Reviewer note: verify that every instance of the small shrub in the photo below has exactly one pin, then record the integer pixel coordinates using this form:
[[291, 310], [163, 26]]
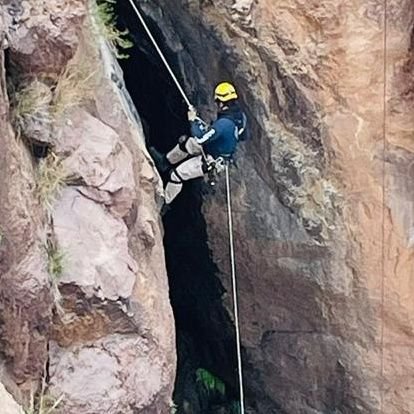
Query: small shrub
[[209, 383], [51, 178], [235, 407], [74, 86], [32, 105], [55, 261], [104, 15], [55, 267]]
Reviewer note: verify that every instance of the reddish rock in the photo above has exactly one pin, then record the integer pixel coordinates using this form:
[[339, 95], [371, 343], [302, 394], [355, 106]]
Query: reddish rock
[[322, 196], [112, 320], [25, 299], [43, 36]]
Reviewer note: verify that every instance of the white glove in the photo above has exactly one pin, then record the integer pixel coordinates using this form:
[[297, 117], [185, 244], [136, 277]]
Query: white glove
[[192, 113]]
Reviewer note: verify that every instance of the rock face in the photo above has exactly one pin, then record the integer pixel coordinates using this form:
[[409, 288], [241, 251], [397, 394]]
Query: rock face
[[83, 285], [322, 196], [7, 403], [323, 206]]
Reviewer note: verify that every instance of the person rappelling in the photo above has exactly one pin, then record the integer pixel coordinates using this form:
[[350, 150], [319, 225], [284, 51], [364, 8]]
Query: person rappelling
[[208, 148]]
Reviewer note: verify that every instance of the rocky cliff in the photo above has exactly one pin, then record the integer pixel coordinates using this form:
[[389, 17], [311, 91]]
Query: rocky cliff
[[323, 193], [84, 294], [322, 197]]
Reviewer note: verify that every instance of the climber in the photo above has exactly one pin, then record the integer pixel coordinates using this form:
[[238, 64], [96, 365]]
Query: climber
[[209, 147]]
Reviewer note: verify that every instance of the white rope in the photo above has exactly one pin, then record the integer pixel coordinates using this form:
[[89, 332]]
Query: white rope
[[234, 285], [187, 101], [230, 218]]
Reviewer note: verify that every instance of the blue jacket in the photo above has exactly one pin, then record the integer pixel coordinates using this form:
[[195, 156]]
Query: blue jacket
[[220, 139]]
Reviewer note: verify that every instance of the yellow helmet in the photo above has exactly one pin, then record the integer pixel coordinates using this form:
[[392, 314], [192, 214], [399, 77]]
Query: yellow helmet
[[225, 92]]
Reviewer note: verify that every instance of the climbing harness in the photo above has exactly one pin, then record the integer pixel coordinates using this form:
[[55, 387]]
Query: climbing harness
[[229, 211], [214, 168]]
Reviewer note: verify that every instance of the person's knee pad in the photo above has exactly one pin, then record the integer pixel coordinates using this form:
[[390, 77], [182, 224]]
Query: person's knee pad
[[182, 142]]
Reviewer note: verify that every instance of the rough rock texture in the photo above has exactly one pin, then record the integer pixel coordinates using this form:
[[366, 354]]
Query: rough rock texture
[[83, 285], [43, 36], [323, 218], [7, 403], [25, 301]]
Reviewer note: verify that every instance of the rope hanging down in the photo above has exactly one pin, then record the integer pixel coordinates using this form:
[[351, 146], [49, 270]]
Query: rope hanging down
[[234, 285], [157, 48], [229, 210]]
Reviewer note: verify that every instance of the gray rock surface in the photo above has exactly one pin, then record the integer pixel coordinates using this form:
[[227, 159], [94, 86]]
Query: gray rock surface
[[82, 225]]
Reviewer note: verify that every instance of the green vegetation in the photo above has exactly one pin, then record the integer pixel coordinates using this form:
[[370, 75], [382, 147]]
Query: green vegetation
[[55, 261], [50, 180], [209, 383], [55, 268], [235, 407], [104, 15]]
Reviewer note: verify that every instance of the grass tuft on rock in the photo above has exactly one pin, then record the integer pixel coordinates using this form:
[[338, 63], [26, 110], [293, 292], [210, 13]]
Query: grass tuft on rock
[[74, 86], [32, 104], [55, 261], [51, 178], [103, 13], [43, 402]]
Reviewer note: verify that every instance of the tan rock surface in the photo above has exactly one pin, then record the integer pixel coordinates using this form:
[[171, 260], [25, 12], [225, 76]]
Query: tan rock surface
[[7, 403], [113, 323]]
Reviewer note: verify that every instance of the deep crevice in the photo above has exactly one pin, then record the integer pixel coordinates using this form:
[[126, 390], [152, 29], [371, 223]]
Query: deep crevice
[[205, 335]]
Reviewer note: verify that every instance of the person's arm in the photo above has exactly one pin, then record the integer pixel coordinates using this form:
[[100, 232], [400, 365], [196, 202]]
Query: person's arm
[[200, 130], [203, 132]]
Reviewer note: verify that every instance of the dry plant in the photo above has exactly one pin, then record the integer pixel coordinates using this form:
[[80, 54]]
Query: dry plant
[[74, 86], [51, 178], [43, 403], [32, 104]]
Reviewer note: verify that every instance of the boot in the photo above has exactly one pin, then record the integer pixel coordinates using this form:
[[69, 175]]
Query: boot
[[165, 209], [160, 160]]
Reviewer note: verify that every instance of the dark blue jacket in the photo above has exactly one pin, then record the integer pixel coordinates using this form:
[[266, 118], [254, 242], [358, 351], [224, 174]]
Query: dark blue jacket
[[220, 139]]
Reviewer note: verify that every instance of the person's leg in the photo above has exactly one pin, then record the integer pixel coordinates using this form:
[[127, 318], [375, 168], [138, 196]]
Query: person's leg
[[186, 146], [193, 147], [188, 170]]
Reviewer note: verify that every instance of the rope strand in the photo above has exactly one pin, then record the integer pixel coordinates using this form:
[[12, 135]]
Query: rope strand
[[157, 48], [234, 285], [229, 210]]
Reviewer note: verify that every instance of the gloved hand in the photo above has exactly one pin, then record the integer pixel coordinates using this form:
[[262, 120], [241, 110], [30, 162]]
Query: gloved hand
[[192, 114]]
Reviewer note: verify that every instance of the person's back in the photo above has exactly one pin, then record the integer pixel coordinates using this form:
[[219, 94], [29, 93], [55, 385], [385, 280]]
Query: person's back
[[220, 139], [208, 147]]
